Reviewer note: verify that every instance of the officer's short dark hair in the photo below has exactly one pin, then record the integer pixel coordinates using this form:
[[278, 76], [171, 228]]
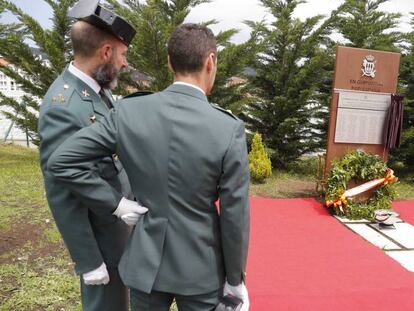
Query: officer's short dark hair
[[87, 38], [189, 46]]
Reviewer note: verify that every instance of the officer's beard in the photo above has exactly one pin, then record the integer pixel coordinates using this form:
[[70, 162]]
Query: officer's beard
[[106, 75]]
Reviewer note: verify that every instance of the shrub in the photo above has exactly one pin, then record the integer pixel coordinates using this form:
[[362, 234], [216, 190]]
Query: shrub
[[259, 162]]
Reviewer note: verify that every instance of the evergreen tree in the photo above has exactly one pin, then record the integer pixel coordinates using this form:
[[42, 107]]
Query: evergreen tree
[[232, 62], [28, 70], [293, 72], [363, 25], [155, 20]]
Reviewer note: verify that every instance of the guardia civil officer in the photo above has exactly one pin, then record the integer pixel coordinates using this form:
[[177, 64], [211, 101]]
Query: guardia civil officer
[[181, 155], [81, 95]]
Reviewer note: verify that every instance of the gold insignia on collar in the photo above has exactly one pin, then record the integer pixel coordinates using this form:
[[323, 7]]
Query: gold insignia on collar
[[66, 86], [62, 98], [93, 118], [54, 99], [115, 157], [85, 93]]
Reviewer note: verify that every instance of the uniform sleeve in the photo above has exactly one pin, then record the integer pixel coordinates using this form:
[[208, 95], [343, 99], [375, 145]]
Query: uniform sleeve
[[73, 162], [234, 207], [56, 124]]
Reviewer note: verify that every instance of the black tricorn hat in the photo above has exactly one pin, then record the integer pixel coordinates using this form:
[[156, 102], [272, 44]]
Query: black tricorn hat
[[91, 12]]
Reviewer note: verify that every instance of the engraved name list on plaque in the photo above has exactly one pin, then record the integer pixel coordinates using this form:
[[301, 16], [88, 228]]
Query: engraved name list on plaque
[[360, 118]]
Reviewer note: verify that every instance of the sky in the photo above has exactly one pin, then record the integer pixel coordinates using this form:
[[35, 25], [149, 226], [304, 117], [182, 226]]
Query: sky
[[232, 13]]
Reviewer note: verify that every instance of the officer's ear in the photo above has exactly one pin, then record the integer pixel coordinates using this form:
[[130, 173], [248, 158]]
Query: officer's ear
[[169, 65], [210, 63], [106, 51], [210, 68]]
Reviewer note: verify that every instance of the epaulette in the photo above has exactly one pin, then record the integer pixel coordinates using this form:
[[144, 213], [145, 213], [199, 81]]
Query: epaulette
[[62, 95], [224, 110], [139, 93]]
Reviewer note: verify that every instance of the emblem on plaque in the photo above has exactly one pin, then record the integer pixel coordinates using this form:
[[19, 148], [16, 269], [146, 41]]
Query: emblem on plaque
[[368, 66]]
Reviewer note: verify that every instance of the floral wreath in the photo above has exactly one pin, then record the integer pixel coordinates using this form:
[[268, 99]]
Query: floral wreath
[[360, 167]]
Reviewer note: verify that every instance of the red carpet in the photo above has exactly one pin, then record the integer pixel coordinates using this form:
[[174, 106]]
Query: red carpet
[[406, 210], [301, 258]]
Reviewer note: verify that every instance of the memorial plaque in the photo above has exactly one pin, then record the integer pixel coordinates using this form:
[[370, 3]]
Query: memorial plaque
[[363, 83], [360, 118]]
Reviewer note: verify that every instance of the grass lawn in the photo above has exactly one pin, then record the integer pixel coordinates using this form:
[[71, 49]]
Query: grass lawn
[[36, 272]]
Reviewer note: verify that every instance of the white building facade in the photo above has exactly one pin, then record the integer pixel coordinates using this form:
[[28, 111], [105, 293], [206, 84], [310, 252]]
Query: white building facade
[[9, 132]]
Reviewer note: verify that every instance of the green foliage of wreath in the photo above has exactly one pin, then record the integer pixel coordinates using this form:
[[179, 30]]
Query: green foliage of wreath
[[360, 167]]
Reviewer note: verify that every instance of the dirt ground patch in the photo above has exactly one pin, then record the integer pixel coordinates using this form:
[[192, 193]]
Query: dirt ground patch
[[281, 186], [297, 187], [17, 236], [26, 241]]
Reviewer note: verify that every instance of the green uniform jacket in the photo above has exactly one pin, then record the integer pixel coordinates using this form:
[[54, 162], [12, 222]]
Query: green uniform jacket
[[91, 233], [181, 155]]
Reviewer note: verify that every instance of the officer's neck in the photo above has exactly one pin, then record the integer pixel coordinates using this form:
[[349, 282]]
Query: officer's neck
[[86, 66], [198, 80]]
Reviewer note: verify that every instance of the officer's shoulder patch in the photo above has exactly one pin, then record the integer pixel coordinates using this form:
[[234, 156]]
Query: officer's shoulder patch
[[61, 94], [228, 112]]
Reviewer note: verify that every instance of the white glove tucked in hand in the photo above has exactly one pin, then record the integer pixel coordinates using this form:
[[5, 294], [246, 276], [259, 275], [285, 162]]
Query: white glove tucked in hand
[[129, 211], [239, 291], [98, 276]]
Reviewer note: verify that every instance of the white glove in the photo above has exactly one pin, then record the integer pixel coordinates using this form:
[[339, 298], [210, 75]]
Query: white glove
[[129, 211], [240, 291], [98, 276]]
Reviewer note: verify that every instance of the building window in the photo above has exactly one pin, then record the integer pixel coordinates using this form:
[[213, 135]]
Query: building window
[[3, 85], [13, 86]]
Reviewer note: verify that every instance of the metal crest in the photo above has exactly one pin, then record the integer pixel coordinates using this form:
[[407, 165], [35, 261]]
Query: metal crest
[[368, 66]]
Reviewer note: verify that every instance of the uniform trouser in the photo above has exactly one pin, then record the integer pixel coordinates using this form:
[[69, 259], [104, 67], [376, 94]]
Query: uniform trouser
[[161, 301], [110, 297]]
